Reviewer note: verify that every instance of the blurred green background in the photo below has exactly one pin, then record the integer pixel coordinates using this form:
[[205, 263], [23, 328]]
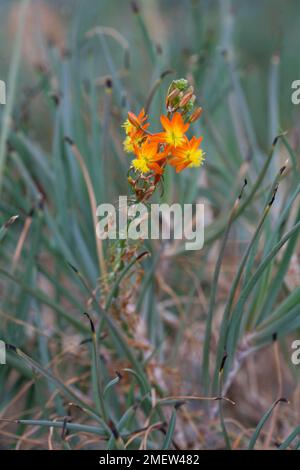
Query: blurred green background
[[75, 71]]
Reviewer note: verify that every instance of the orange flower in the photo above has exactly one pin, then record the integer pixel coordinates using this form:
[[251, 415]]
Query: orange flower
[[187, 155], [135, 128], [148, 158], [174, 133], [135, 123], [138, 121]]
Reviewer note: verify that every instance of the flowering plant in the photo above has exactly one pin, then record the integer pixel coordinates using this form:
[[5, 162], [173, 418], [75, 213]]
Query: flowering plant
[[153, 152]]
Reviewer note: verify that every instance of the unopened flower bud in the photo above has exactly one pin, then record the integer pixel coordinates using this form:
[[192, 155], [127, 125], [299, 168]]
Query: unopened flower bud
[[195, 115], [171, 96], [181, 84], [186, 97], [133, 120]]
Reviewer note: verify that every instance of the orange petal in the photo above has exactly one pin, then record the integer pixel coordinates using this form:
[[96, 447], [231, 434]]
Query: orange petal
[[165, 122], [178, 122], [156, 168], [159, 137]]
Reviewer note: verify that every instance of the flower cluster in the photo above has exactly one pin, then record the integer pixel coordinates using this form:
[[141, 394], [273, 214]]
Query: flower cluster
[[171, 146]]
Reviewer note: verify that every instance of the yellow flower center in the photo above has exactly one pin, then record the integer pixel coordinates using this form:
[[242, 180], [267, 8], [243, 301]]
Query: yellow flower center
[[174, 138], [141, 164], [128, 145], [127, 126], [195, 157]]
